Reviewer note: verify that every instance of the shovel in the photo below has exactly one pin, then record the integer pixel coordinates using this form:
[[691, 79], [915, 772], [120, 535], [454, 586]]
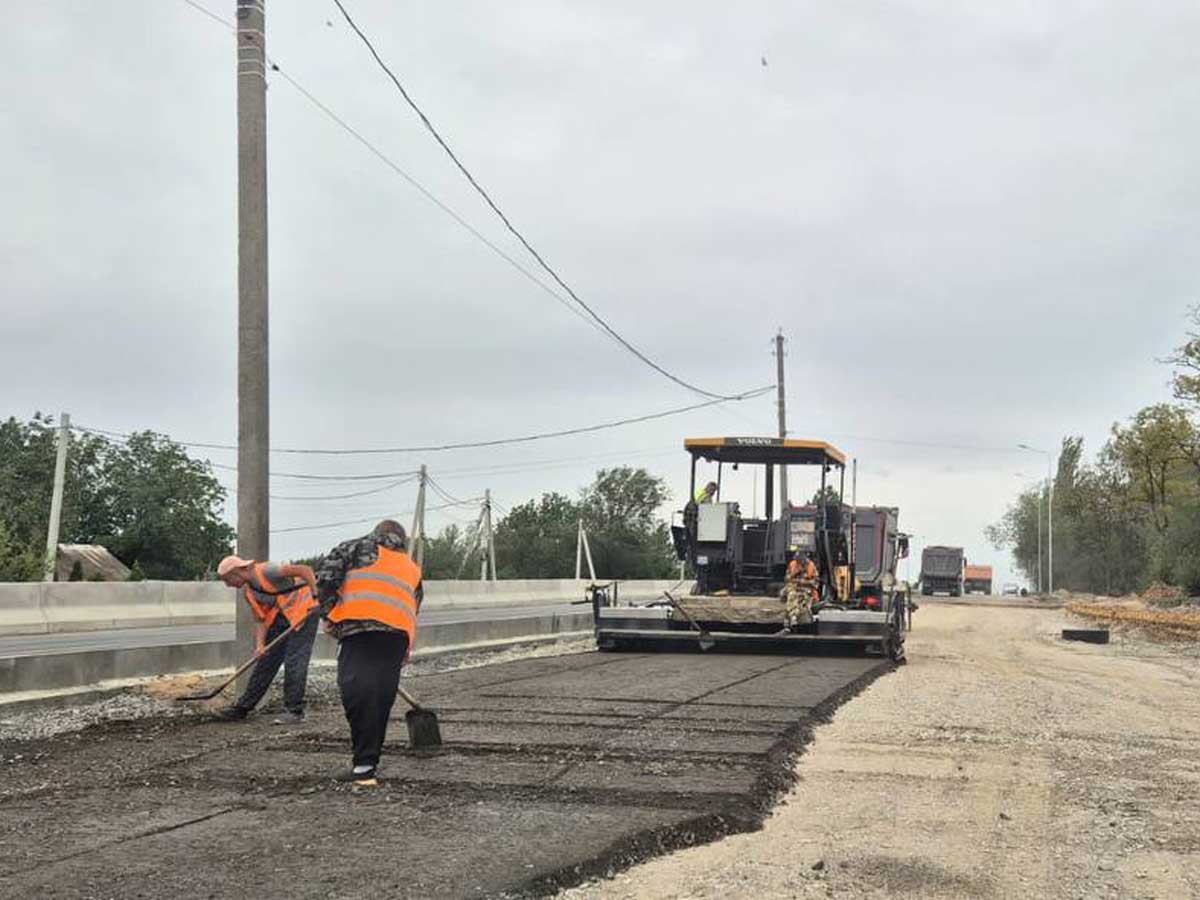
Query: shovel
[[208, 695], [423, 731], [705, 641]]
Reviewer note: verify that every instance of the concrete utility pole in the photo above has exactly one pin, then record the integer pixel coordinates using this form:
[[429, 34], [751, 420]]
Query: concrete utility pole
[[416, 537], [783, 482], [56, 498], [581, 548], [489, 554], [253, 385]]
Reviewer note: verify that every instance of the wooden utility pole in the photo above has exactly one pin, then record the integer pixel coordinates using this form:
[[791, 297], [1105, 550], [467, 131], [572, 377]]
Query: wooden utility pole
[[253, 522], [56, 498], [783, 480]]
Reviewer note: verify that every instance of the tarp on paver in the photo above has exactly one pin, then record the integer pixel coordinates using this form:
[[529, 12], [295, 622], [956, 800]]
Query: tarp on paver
[[95, 563], [741, 610]]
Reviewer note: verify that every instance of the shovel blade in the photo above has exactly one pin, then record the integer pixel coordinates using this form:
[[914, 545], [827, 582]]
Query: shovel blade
[[423, 730]]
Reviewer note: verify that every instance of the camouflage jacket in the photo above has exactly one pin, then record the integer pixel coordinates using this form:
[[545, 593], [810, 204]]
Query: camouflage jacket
[[348, 555]]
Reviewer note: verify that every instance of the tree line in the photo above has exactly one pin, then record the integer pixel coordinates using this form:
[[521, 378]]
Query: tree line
[[159, 512], [1131, 516], [155, 508]]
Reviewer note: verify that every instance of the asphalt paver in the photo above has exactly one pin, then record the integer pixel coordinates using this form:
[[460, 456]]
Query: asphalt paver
[[554, 770]]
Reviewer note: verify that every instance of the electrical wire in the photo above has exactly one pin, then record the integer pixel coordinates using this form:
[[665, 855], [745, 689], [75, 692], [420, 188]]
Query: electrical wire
[[399, 170], [465, 445], [512, 229], [375, 518]]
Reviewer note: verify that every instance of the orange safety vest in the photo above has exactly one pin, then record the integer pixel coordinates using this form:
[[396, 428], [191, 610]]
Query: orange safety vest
[[385, 591], [797, 569], [295, 605]]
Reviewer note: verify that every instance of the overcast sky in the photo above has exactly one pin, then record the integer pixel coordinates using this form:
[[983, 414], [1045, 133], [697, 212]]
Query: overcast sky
[[975, 223]]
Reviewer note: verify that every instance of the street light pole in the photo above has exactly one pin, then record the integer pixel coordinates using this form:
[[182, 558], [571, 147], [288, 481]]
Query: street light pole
[[1049, 513], [1040, 489]]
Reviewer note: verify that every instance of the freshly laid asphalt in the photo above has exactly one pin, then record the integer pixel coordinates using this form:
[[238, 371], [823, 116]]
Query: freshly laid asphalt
[[553, 770]]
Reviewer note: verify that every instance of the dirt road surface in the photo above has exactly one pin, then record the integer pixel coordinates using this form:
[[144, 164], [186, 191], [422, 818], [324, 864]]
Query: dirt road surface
[[1000, 762], [555, 769]]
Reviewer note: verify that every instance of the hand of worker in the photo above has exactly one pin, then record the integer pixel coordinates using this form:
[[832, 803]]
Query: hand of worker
[[259, 646], [327, 627]]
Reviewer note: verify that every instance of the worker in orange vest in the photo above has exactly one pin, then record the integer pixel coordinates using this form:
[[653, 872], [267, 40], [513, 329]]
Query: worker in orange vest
[[370, 592], [800, 591], [281, 597]]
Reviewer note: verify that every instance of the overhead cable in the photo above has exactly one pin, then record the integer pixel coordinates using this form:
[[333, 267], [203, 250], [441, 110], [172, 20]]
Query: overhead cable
[[465, 445], [374, 518], [512, 229]]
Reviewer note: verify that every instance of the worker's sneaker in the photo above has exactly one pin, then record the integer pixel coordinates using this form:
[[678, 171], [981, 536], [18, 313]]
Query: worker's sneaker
[[288, 718], [363, 778], [232, 713]]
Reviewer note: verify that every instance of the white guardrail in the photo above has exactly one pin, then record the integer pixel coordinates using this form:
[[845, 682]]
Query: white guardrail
[[72, 606]]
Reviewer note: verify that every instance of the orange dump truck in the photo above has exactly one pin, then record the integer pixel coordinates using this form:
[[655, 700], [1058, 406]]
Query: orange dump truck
[[977, 580]]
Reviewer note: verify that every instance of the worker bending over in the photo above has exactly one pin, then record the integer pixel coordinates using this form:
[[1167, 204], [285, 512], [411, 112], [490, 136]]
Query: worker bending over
[[281, 596], [800, 591], [370, 592]]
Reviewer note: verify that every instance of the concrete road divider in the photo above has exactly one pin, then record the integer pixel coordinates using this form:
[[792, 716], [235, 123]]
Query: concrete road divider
[[515, 592], [200, 602], [96, 606], [21, 609]]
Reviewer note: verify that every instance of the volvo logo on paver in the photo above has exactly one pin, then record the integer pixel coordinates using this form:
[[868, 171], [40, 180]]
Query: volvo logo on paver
[[757, 441]]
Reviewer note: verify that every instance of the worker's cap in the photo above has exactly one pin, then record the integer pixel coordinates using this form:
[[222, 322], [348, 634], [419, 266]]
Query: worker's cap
[[229, 563]]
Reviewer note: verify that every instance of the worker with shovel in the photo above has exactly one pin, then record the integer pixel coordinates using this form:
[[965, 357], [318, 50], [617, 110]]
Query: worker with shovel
[[282, 599], [370, 592]]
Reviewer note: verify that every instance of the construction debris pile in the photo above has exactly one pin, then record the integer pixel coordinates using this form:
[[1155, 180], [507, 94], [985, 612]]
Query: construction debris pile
[[1161, 610]]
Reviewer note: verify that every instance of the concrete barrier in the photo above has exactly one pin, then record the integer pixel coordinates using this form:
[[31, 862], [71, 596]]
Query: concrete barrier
[[21, 609], [94, 606], [199, 602], [517, 592], [97, 606]]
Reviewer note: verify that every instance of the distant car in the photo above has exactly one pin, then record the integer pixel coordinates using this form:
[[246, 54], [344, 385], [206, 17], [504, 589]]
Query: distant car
[[1011, 589]]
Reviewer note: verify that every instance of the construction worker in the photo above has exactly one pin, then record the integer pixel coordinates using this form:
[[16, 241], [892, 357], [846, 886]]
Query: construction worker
[[706, 494], [281, 597], [800, 591], [370, 593]]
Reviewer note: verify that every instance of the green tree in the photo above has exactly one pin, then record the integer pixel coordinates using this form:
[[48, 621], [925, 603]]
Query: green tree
[[537, 539], [1186, 362], [446, 551], [1153, 450], [18, 561], [620, 511], [160, 508], [144, 499], [27, 456], [1100, 525]]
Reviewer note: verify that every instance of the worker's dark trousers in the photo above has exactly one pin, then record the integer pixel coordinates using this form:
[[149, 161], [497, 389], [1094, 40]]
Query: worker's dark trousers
[[293, 653], [368, 675]]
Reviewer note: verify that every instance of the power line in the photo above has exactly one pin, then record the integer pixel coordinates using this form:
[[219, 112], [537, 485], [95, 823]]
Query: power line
[[464, 445], [380, 476], [374, 518], [412, 181], [509, 225]]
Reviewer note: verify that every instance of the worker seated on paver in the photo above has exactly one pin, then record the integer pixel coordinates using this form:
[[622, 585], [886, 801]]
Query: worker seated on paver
[[282, 597], [706, 494], [799, 592]]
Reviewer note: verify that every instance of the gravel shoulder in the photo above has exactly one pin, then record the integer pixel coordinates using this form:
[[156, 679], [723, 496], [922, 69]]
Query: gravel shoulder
[[999, 762]]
